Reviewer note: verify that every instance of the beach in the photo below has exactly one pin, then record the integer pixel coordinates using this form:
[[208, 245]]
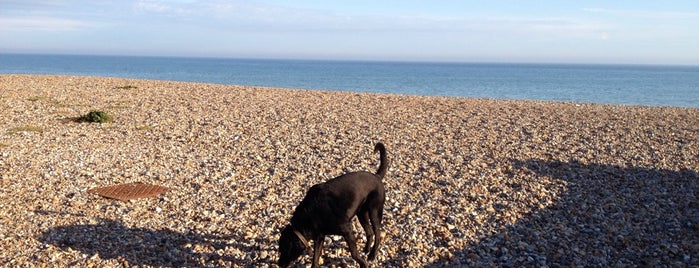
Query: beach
[[472, 182]]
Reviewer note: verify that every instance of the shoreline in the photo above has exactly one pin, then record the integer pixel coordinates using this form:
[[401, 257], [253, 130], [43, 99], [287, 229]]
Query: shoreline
[[472, 181]]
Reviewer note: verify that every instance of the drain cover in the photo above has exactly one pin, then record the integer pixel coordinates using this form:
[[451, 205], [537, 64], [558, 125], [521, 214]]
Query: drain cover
[[128, 191]]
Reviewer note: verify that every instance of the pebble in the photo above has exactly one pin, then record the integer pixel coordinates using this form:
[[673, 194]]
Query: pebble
[[473, 182]]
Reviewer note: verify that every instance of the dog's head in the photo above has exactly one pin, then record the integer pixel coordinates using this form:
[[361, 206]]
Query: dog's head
[[290, 247]]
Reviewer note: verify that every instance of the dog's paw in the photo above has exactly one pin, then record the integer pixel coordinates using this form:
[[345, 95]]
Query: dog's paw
[[372, 256]]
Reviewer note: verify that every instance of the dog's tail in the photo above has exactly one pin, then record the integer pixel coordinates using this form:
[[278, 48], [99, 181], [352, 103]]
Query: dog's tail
[[383, 167]]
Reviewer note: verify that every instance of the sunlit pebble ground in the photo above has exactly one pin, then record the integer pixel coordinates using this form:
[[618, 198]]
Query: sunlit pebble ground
[[472, 182]]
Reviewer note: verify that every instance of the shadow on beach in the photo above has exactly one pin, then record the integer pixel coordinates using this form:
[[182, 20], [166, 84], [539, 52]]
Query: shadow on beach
[[608, 216], [139, 246]]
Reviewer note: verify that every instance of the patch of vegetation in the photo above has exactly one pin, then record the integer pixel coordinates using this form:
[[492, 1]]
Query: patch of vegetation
[[16, 130], [144, 127], [118, 105], [37, 98], [61, 104], [126, 87], [97, 116]]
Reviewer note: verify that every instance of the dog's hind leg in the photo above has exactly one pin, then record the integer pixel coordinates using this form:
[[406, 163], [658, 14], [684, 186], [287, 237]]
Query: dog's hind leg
[[363, 217], [376, 216], [352, 244]]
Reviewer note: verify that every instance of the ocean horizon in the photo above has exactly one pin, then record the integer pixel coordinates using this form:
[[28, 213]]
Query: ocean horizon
[[650, 85]]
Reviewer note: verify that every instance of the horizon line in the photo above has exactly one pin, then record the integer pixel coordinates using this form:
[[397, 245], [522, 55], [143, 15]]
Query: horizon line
[[330, 59]]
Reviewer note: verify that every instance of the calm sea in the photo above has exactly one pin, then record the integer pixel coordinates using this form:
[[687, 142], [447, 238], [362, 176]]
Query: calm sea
[[612, 84]]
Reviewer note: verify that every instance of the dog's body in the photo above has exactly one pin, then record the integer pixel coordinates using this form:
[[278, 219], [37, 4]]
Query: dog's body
[[328, 209]]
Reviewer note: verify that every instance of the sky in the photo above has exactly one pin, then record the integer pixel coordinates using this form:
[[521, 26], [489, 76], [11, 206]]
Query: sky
[[536, 31]]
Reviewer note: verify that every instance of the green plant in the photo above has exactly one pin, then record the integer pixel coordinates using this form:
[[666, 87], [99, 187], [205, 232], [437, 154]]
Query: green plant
[[126, 87], [97, 116], [118, 105]]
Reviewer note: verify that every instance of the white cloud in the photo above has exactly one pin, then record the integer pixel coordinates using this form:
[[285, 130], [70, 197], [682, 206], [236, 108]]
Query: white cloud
[[172, 9], [645, 14], [42, 24]]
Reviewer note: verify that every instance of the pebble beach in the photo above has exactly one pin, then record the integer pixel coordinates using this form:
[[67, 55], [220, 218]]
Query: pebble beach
[[472, 182]]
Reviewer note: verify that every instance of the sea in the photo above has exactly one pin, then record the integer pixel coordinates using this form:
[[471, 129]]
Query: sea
[[647, 85]]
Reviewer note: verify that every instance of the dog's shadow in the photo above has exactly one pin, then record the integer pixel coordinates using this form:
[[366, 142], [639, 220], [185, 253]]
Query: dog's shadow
[[608, 216], [111, 239]]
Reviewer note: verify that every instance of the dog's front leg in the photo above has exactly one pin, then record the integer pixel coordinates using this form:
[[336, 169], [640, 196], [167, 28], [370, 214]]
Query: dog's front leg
[[317, 249], [352, 244]]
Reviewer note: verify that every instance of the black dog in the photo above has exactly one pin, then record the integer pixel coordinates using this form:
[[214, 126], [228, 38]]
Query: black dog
[[328, 209]]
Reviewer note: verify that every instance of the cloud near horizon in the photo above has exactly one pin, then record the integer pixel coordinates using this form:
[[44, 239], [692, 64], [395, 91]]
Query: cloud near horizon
[[645, 14], [44, 24]]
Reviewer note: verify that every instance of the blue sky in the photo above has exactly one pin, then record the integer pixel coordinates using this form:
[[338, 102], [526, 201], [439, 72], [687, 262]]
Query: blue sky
[[641, 32]]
